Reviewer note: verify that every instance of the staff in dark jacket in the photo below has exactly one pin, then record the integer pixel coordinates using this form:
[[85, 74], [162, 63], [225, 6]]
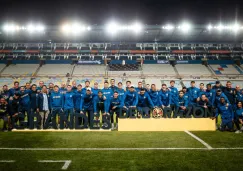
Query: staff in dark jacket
[[43, 106]]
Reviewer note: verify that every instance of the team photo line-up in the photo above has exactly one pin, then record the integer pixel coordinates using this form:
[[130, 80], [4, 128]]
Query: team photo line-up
[[61, 107]]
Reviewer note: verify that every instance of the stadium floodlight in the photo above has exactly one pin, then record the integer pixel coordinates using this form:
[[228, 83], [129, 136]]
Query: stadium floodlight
[[9, 28], [31, 28], [236, 27], [220, 27], [112, 27], [137, 27], [88, 28], [40, 28], [168, 27], [185, 27], [210, 27], [66, 28]]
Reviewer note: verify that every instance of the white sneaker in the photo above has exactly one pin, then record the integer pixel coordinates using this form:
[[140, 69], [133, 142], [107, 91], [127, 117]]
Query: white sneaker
[[238, 131], [112, 126]]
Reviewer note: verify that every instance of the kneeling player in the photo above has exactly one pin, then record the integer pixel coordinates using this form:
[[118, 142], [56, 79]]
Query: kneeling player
[[4, 113], [144, 103], [115, 107], [227, 115]]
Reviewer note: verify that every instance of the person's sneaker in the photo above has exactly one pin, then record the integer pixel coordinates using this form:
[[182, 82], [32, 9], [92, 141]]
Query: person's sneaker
[[241, 128], [116, 126], [238, 131], [112, 126]]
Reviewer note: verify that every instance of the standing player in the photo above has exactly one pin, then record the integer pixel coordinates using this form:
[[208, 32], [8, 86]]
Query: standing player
[[130, 100], [41, 83], [201, 90], [74, 86], [4, 113], [43, 106], [15, 89], [107, 93], [63, 88], [33, 98], [25, 104], [239, 117], [86, 105], [193, 94], [174, 94], [121, 92], [154, 95], [68, 104], [230, 93], [210, 94], [100, 105], [5, 93], [128, 85], [165, 96], [140, 86], [96, 89], [56, 103], [113, 85]]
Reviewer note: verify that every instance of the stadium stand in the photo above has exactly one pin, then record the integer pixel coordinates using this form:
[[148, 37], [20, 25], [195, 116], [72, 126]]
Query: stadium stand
[[192, 69], [89, 70], [157, 70], [20, 70], [47, 80], [9, 81], [55, 70], [225, 69]]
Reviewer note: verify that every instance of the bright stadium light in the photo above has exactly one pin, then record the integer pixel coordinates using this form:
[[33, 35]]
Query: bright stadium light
[[40, 28], [210, 27], [88, 28], [112, 27], [185, 27], [236, 27], [66, 28], [9, 28], [31, 28], [220, 27], [168, 27], [137, 27]]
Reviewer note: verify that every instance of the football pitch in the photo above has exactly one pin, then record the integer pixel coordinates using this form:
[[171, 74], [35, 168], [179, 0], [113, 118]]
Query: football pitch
[[113, 150]]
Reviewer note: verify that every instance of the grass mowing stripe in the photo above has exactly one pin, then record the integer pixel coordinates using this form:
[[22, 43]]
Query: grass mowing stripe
[[199, 139]]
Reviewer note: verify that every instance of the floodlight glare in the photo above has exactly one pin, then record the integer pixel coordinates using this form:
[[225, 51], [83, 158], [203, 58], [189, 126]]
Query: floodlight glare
[[185, 27], [210, 27], [30, 28], [40, 28], [137, 27], [168, 27], [88, 28], [112, 27], [9, 28], [235, 27]]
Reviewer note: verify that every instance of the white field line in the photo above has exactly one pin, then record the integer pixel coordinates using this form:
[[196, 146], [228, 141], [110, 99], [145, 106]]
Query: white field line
[[7, 161], [113, 149], [200, 140], [64, 167]]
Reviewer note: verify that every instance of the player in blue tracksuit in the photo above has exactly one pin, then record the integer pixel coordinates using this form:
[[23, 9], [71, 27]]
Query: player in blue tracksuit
[[154, 95], [128, 85], [116, 105], [113, 86], [33, 98], [238, 94], [201, 90], [186, 95], [87, 104], [210, 94], [230, 93], [121, 92], [87, 85], [140, 86], [15, 89], [68, 102], [218, 85], [182, 103], [193, 94], [63, 89], [41, 83], [5, 93], [227, 114], [25, 103], [218, 96], [144, 102], [130, 100], [56, 102], [174, 94], [77, 98], [100, 105], [238, 117], [165, 96], [107, 93], [96, 89]]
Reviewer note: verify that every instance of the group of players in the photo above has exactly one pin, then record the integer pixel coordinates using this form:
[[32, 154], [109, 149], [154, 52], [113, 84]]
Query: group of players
[[90, 100]]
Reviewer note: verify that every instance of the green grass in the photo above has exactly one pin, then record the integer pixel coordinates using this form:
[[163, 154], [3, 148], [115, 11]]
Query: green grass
[[204, 160]]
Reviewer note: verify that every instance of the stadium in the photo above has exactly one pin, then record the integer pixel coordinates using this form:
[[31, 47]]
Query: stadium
[[121, 95]]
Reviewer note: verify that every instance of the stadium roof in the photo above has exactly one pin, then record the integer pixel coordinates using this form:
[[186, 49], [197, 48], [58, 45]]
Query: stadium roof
[[149, 33]]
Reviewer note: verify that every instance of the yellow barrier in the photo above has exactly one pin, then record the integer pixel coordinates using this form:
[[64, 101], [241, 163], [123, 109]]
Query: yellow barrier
[[167, 124]]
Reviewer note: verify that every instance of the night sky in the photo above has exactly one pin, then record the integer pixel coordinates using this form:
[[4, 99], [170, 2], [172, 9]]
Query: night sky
[[54, 12]]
